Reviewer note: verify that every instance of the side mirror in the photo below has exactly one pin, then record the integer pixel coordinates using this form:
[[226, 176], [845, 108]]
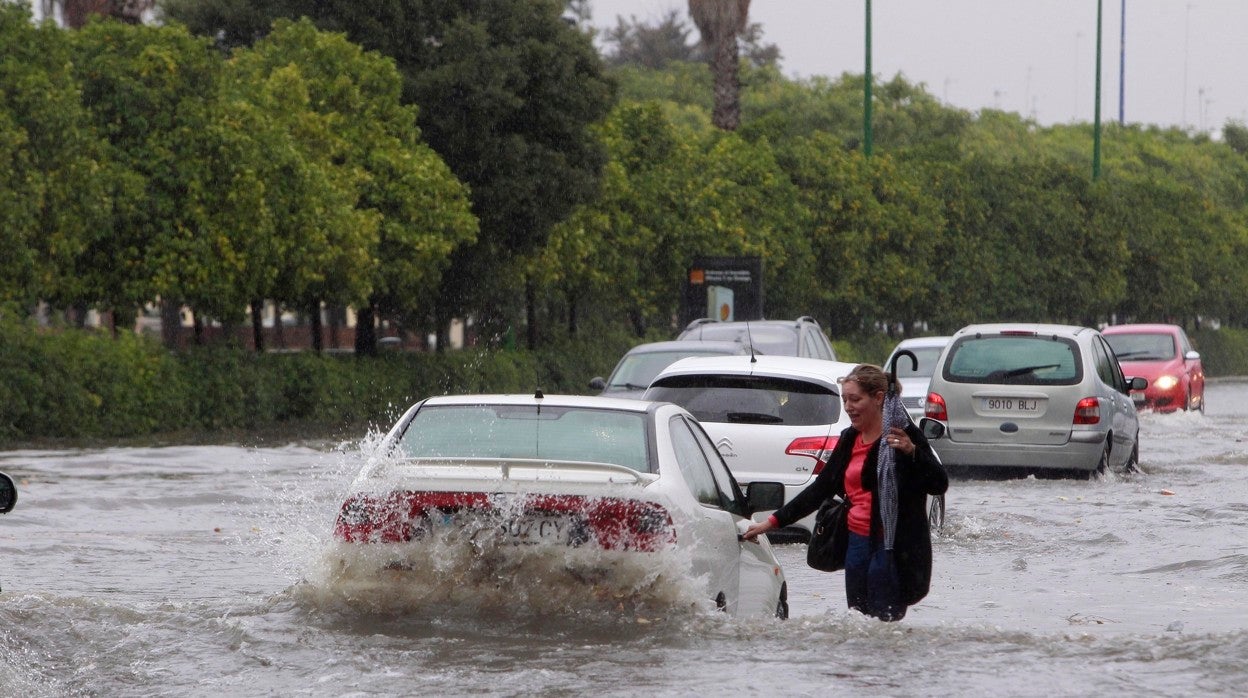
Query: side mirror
[[764, 496], [1192, 355], [598, 383], [8, 494], [931, 428], [1137, 383]]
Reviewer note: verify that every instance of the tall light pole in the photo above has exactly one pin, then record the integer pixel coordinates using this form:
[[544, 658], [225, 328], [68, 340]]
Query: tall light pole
[[1096, 118], [1122, 66], [866, 91]]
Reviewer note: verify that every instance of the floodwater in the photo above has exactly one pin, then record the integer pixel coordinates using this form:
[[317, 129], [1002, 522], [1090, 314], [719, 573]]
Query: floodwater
[[199, 571]]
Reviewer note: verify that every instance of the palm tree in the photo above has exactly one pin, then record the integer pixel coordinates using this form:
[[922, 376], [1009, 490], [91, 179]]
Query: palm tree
[[720, 22]]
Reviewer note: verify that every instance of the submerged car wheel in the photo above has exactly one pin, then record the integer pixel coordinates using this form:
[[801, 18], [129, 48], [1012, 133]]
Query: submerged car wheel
[[1102, 465], [782, 606], [1133, 463]]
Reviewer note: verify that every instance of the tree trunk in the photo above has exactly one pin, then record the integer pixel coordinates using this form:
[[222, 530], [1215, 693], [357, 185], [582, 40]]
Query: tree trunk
[[257, 325], [726, 114], [530, 312], [314, 322], [574, 323], [639, 322], [279, 332], [198, 323], [365, 331], [170, 323]]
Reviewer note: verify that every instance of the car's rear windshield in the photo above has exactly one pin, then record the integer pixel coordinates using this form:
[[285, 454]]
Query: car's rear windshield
[[766, 339], [750, 399], [926, 357], [1014, 360], [637, 370], [1142, 347], [528, 431]]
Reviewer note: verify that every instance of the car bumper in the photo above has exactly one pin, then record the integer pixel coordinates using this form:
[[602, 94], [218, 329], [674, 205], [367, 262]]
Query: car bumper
[[1082, 452], [1162, 400]]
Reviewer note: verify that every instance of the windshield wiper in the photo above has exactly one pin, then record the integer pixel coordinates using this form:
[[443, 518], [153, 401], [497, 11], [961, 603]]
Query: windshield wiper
[[1016, 372], [753, 418], [1135, 355], [628, 386]]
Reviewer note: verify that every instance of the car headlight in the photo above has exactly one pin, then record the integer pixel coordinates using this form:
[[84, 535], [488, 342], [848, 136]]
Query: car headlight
[[1166, 382]]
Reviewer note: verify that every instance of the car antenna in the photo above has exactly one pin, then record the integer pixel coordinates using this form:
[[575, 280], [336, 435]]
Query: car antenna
[[749, 336]]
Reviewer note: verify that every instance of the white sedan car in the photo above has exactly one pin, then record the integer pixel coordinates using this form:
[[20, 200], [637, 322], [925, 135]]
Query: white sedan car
[[771, 417], [611, 497]]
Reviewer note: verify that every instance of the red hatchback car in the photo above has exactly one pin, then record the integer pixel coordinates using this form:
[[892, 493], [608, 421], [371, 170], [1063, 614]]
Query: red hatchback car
[[1164, 356]]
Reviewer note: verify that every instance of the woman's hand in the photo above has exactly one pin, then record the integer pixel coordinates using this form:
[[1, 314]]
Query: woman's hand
[[757, 528], [899, 440]]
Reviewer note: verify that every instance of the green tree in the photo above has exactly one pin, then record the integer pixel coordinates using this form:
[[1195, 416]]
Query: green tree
[[507, 92], [54, 168], [409, 213]]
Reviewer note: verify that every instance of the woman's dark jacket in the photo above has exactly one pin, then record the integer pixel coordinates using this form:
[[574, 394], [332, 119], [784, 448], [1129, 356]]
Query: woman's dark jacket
[[918, 475]]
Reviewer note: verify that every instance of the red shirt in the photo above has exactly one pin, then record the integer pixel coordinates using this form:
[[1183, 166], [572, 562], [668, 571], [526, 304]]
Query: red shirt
[[860, 499]]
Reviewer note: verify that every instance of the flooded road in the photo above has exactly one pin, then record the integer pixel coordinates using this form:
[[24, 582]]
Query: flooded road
[[197, 571]]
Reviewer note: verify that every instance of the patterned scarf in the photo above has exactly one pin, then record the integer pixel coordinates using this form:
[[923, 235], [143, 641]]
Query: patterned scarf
[[886, 467]]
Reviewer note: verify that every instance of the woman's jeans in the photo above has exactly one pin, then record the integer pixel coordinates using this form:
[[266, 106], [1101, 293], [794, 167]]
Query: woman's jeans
[[857, 560], [858, 593]]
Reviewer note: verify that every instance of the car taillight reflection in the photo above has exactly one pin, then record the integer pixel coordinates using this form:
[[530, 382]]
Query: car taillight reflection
[[1088, 411], [609, 523], [817, 447], [934, 407]]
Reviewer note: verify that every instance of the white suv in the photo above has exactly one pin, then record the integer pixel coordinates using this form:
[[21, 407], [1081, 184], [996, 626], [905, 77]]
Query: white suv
[[773, 418]]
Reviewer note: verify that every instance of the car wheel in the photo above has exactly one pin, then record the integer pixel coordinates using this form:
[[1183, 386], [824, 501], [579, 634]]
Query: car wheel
[[1102, 465], [782, 606], [1133, 463], [1202, 402]]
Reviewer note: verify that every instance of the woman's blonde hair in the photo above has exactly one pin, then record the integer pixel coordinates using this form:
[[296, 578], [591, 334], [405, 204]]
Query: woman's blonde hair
[[871, 378]]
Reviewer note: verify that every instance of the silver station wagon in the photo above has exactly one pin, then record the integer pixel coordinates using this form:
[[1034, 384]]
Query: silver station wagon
[[1046, 399]]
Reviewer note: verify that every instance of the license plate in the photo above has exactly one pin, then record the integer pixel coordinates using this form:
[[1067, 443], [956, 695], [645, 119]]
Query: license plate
[[531, 530], [1010, 405], [520, 530]]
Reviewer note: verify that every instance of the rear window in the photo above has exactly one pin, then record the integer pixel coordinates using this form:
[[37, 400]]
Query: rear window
[[926, 356], [527, 431], [1014, 360], [637, 370], [1141, 347], [750, 399]]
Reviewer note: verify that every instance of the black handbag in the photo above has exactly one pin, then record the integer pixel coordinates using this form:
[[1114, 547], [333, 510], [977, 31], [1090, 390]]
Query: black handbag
[[826, 550]]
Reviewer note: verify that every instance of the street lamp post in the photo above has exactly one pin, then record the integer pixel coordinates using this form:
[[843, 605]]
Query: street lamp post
[[1096, 118], [866, 91]]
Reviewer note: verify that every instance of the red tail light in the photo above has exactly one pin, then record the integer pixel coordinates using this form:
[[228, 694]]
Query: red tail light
[[935, 408], [611, 523], [817, 447], [1088, 411]]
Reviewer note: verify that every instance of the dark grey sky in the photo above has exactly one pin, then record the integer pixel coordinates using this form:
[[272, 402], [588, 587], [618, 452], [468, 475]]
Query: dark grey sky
[[1186, 60]]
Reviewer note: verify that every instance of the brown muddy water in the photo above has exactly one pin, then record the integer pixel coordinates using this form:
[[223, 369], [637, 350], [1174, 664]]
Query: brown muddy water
[[199, 571]]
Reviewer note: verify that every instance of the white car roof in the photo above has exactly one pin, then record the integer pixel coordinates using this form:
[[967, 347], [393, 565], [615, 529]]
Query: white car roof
[[583, 401], [922, 342], [770, 365]]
